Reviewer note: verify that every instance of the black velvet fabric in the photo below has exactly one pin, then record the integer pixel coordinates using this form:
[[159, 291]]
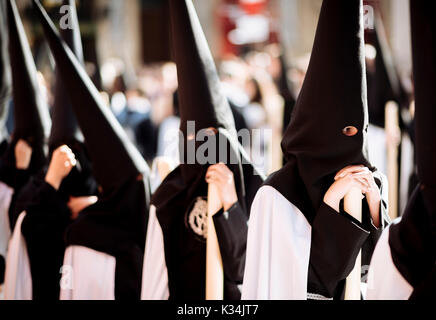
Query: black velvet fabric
[[116, 225], [413, 240], [31, 116], [47, 217], [64, 123]]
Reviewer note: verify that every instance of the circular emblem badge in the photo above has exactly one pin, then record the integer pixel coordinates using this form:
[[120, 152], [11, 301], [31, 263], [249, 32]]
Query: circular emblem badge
[[197, 218]]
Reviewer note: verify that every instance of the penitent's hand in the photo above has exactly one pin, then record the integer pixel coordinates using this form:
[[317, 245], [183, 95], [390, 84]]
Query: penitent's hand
[[222, 177], [23, 155], [62, 162], [78, 204], [372, 194], [348, 178]]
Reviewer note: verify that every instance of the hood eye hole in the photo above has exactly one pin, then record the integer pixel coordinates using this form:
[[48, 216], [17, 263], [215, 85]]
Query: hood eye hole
[[350, 131], [211, 131]]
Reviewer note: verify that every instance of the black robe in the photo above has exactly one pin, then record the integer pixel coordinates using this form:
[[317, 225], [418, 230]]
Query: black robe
[[47, 218], [185, 250], [43, 228]]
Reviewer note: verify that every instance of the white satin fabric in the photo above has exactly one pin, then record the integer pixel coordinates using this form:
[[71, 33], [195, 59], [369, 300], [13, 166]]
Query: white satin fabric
[[385, 282], [5, 231], [278, 249], [18, 278], [87, 275], [155, 273]]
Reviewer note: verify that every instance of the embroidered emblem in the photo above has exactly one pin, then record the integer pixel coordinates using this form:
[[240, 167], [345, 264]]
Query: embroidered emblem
[[197, 218]]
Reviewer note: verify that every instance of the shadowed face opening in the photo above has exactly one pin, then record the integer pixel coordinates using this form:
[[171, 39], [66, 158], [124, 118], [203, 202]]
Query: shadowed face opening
[[350, 131]]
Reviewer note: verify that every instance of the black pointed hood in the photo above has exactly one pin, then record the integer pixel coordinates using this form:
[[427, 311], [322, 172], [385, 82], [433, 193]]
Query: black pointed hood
[[200, 99], [200, 94], [413, 240], [5, 72], [332, 104], [115, 159], [31, 115], [65, 129]]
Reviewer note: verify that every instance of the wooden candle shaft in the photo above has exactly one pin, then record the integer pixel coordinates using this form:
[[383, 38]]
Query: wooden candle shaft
[[353, 206], [214, 264], [391, 127]]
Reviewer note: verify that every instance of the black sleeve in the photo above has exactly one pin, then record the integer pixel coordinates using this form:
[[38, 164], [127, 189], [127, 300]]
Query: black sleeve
[[367, 222], [47, 217], [37, 196], [232, 228], [9, 174], [253, 180], [43, 202], [426, 290], [337, 239]]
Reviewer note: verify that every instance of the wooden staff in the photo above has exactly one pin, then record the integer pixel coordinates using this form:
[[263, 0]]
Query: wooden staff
[[164, 167], [276, 106], [353, 206], [392, 127], [214, 264]]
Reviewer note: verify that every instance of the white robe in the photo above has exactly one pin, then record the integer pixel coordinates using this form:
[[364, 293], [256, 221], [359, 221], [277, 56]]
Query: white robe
[[18, 277], [5, 231], [155, 273], [87, 275], [278, 249], [385, 282]]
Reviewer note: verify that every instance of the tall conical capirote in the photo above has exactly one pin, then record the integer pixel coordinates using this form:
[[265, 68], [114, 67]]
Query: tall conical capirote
[[115, 159]]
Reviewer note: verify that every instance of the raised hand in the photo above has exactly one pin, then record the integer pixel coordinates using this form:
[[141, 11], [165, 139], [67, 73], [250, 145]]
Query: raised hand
[[62, 162], [78, 204], [222, 177], [355, 177], [23, 155]]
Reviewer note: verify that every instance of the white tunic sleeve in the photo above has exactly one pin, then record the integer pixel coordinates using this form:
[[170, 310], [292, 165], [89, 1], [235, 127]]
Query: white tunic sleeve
[[18, 278], [87, 275], [5, 231], [385, 282], [155, 273], [278, 249]]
